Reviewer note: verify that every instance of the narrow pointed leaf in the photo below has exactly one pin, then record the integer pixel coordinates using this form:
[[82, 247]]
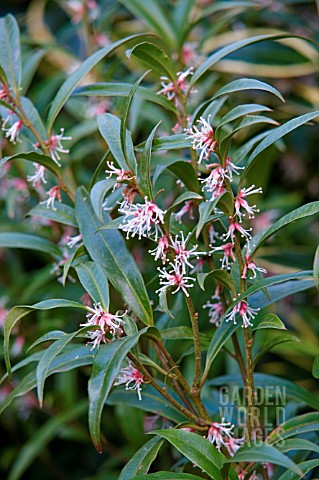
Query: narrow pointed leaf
[[62, 214], [304, 468], [47, 162], [155, 58], [246, 84], [220, 276], [240, 111], [110, 128], [144, 166], [167, 476], [142, 459], [94, 279], [10, 52], [30, 242]]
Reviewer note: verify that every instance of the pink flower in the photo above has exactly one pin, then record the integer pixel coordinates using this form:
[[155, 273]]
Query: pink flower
[[120, 173], [250, 265], [213, 235], [13, 133], [218, 433], [236, 227], [128, 375], [187, 208], [171, 89], [215, 312], [72, 241], [54, 193], [174, 278], [247, 313], [231, 168], [107, 322], [203, 139], [38, 175], [140, 218], [240, 202], [233, 444], [228, 249], [216, 177], [182, 254], [56, 146], [161, 250]]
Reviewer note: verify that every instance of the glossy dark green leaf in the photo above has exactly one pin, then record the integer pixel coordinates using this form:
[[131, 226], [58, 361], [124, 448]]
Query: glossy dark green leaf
[[152, 402], [316, 267], [123, 90], [144, 166], [304, 467], [107, 363], [29, 68], [197, 449], [107, 247], [62, 214], [152, 14], [34, 117], [75, 78], [173, 142], [78, 252], [315, 367], [97, 195], [264, 453], [142, 459], [247, 84], [10, 51], [94, 280], [220, 276], [110, 128], [308, 422], [276, 135], [162, 304], [298, 444], [167, 476], [224, 51], [273, 342], [30, 242], [205, 209], [155, 58], [43, 435], [39, 158], [270, 321], [301, 212], [182, 19], [47, 337], [241, 111], [182, 198]]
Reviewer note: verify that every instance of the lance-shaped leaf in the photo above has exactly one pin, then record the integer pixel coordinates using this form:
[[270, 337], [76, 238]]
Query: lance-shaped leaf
[[123, 90], [110, 128], [264, 453], [166, 476], [35, 119], [240, 111], [197, 449], [247, 84], [153, 15], [107, 363], [276, 135], [308, 422], [62, 214], [224, 51], [97, 195], [182, 198], [304, 468], [142, 459], [144, 166], [10, 52], [107, 247], [155, 58], [205, 209], [29, 242], [301, 212], [129, 153], [298, 444], [75, 78], [220, 276], [47, 162], [173, 142], [94, 279], [16, 313]]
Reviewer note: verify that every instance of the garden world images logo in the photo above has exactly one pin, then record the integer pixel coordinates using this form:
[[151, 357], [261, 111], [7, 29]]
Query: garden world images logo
[[268, 410]]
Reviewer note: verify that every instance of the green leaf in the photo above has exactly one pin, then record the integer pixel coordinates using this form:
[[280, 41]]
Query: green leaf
[[240, 111], [94, 280], [10, 52], [29, 242], [304, 468], [173, 142], [275, 341], [220, 276], [205, 209], [62, 214], [152, 14], [43, 435], [270, 321], [155, 58], [298, 444], [316, 267], [75, 78], [197, 449], [34, 118], [129, 153], [262, 452], [47, 162], [224, 51], [78, 252], [142, 459], [246, 84], [185, 172], [106, 366], [144, 166], [110, 128], [167, 476], [47, 337], [97, 195], [301, 212], [315, 367], [123, 90], [276, 135], [50, 354], [29, 68], [309, 422], [163, 305], [182, 19], [107, 247], [182, 198], [75, 356], [152, 402]]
